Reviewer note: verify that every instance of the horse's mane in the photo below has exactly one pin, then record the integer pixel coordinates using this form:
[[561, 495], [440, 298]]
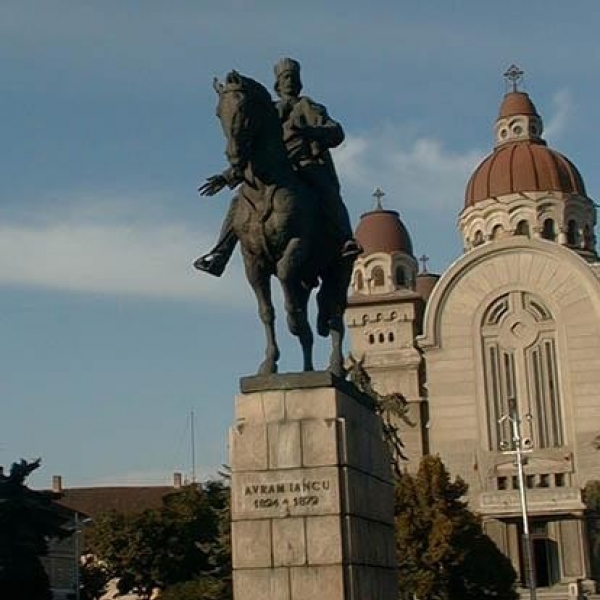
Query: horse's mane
[[254, 91]]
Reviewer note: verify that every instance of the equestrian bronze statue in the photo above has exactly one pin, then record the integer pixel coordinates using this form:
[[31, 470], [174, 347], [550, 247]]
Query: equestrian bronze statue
[[284, 221]]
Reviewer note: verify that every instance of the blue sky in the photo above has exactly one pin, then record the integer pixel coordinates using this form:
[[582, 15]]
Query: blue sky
[[108, 337]]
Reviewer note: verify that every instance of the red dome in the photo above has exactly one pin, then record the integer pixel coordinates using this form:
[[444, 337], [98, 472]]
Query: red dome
[[383, 231], [517, 103], [523, 167]]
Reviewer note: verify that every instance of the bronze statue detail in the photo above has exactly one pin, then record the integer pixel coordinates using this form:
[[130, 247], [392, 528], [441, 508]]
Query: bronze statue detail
[[280, 223], [308, 133]]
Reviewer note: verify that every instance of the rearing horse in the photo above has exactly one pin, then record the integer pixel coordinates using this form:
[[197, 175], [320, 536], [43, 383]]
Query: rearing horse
[[279, 223]]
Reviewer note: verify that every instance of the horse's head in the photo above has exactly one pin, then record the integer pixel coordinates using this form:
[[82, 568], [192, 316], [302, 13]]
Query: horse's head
[[243, 106]]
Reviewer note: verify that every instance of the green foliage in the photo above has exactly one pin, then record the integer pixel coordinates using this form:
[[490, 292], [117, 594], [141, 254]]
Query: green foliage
[[176, 543], [93, 578], [591, 498], [204, 588], [442, 551], [28, 519]]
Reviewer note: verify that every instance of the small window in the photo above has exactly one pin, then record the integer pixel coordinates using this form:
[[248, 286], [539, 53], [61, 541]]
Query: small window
[[378, 276], [502, 483], [559, 479], [530, 481], [548, 230], [359, 280], [381, 338], [544, 481], [572, 233], [400, 276], [588, 239], [522, 228], [478, 238], [390, 337], [497, 232], [371, 339], [515, 482]]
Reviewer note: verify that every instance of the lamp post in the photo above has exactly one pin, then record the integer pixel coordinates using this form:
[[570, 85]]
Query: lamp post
[[516, 448]]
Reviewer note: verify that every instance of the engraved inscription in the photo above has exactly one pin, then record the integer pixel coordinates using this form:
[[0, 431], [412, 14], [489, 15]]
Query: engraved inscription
[[281, 493]]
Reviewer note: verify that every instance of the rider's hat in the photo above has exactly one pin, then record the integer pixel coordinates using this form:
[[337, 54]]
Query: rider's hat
[[285, 65]]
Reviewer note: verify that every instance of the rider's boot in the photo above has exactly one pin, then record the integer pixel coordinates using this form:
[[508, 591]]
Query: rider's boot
[[216, 260], [213, 263]]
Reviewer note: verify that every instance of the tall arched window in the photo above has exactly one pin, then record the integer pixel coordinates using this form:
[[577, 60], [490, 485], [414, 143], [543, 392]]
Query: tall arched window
[[497, 232], [520, 360], [400, 276], [478, 238], [522, 228], [358, 282], [572, 233], [548, 230], [378, 276]]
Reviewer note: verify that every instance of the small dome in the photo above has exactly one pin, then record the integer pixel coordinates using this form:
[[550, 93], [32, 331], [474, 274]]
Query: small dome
[[383, 231], [523, 167], [517, 103]]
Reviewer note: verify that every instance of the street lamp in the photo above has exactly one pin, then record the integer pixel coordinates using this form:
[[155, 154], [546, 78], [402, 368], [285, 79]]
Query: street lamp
[[518, 448]]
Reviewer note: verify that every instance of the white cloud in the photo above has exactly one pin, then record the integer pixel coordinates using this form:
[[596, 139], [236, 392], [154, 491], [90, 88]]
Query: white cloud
[[99, 251], [420, 173], [562, 102]]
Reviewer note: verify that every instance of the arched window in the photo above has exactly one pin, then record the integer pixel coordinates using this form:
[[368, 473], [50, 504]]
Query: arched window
[[519, 342], [572, 233], [522, 228], [548, 230], [371, 338], [478, 238], [378, 276], [400, 276], [359, 282], [390, 336], [497, 232], [588, 238], [381, 338]]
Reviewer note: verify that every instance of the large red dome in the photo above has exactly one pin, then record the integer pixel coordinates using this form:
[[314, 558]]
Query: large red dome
[[523, 167]]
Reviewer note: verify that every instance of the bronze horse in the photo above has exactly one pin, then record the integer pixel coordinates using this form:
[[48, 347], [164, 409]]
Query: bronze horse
[[279, 224]]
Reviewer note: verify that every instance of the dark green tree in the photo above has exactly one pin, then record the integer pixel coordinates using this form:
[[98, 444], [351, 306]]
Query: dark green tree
[[93, 578], [28, 519], [158, 548], [591, 498], [442, 551]]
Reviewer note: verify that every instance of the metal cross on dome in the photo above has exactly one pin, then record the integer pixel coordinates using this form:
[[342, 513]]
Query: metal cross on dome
[[378, 194], [514, 76], [424, 259]]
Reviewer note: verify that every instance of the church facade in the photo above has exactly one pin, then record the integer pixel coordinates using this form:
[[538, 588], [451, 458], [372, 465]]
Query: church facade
[[511, 329]]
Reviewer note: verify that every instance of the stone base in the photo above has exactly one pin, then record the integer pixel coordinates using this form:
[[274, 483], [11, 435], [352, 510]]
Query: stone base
[[312, 496]]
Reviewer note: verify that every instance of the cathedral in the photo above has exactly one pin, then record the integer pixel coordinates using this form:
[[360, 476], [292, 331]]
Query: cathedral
[[507, 339]]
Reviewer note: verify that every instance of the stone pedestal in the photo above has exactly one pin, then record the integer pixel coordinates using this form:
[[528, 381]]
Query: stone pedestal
[[312, 497]]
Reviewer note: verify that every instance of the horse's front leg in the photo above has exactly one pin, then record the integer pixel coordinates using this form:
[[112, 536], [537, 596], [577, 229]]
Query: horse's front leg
[[260, 280]]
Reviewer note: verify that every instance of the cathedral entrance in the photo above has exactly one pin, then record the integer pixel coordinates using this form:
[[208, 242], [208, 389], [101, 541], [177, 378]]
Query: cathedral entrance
[[545, 552], [545, 556]]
